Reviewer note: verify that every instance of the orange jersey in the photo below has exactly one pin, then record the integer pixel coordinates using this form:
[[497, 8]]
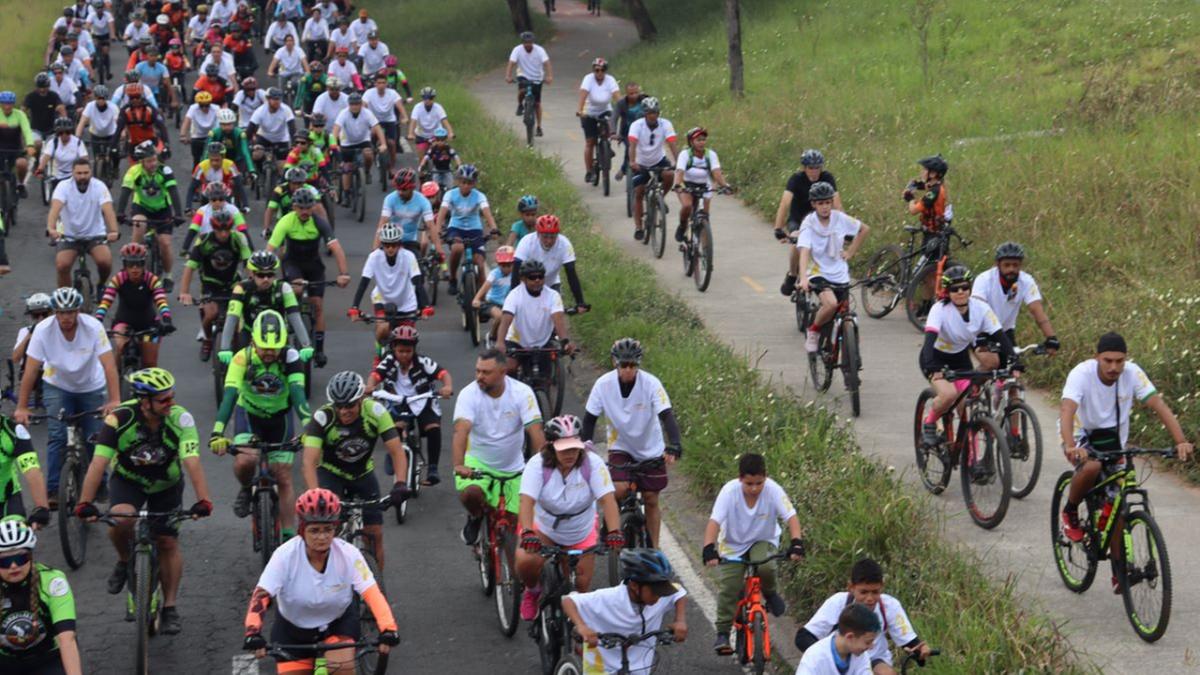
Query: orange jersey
[[931, 207], [215, 87]]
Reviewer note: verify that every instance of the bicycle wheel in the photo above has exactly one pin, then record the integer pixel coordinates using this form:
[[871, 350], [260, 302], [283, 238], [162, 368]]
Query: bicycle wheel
[[508, 589], [432, 278], [543, 402], [850, 365], [629, 195], [702, 256], [470, 315], [360, 195], [986, 473], [887, 268], [83, 283], [1075, 561], [558, 385], [266, 522], [143, 585], [367, 660], [605, 151], [547, 638], [1024, 437], [487, 571], [933, 463], [72, 532], [8, 198], [46, 191], [922, 293], [657, 239], [529, 111], [756, 647], [1145, 577], [569, 664], [660, 221]]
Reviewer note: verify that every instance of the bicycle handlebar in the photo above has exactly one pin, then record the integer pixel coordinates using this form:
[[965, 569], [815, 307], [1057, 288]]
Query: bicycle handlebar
[[174, 516], [291, 445], [380, 504], [1133, 451], [1036, 348], [556, 551], [611, 640], [397, 398], [742, 561], [478, 474], [63, 417], [909, 657]]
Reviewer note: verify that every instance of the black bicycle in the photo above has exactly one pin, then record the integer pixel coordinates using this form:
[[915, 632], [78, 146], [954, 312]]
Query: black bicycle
[[572, 665], [912, 273], [697, 246], [838, 347], [654, 213], [130, 359], [73, 532], [401, 409], [632, 514], [528, 103], [8, 187], [542, 369], [602, 159], [265, 530], [218, 327], [552, 630], [351, 530]]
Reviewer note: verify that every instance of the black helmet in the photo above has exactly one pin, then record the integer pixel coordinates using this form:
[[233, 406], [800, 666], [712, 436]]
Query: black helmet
[[935, 164], [354, 99], [956, 274], [215, 148], [275, 93], [530, 267], [304, 198], [263, 261], [820, 191], [1010, 249], [63, 124], [812, 157], [345, 387], [645, 565], [212, 70], [626, 350], [42, 80]]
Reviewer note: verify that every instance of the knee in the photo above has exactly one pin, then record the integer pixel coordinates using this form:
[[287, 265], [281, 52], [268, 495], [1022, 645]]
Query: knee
[[166, 545], [650, 499]]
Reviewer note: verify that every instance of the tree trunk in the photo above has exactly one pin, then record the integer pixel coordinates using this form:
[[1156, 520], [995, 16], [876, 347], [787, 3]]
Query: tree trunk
[[733, 28], [641, 18], [519, 9]]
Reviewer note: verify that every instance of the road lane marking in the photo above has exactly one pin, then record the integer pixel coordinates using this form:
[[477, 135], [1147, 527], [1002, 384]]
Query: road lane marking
[[753, 284], [245, 664], [698, 591]]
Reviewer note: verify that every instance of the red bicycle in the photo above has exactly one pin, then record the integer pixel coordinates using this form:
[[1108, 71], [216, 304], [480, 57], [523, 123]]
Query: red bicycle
[[750, 623], [495, 553]]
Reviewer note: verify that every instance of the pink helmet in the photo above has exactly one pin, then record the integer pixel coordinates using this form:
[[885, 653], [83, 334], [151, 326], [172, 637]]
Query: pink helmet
[[390, 61]]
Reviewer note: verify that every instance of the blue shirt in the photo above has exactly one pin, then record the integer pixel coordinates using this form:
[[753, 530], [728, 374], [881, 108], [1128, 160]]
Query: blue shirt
[[152, 76], [501, 285], [408, 215], [464, 211], [520, 228]]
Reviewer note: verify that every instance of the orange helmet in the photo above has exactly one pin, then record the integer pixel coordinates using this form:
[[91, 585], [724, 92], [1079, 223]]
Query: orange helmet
[[318, 505], [505, 254], [429, 188]]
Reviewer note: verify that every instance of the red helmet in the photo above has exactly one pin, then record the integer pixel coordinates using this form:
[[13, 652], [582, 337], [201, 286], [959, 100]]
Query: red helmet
[[429, 188], [505, 254], [694, 132], [133, 251], [547, 224], [390, 61], [405, 179], [318, 505], [404, 334]]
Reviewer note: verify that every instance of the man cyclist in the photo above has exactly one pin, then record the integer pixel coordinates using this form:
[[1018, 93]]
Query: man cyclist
[[248, 99], [142, 306], [156, 204], [533, 69], [555, 252], [1005, 288], [59, 153], [329, 104], [217, 255], [532, 315], [344, 70], [84, 207], [17, 140], [38, 611], [340, 38], [357, 127], [309, 87], [597, 92], [372, 55], [388, 107], [199, 120], [315, 37], [407, 209], [339, 442], [154, 75], [399, 286], [216, 170], [459, 222], [272, 126], [649, 138], [264, 385], [628, 110], [99, 119], [43, 106], [279, 203], [251, 297], [142, 124], [426, 118], [150, 440], [233, 138], [638, 411]]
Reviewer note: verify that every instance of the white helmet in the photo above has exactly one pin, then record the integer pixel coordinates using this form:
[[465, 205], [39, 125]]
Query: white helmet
[[226, 116], [66, 299], [332, 82], [38, 302], [15, 535], [391, 234]]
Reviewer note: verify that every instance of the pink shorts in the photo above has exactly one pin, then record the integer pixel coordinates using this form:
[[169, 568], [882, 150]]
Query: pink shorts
[[589, 541]]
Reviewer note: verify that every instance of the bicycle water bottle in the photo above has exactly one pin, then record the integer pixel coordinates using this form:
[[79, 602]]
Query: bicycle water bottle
[[1102, 520]]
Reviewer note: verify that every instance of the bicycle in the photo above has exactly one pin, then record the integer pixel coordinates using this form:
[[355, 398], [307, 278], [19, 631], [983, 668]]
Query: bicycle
[[355, 199], [73, 534], [632, 514], [351, 530], [265, 530], [750, 623], [541, 368], [495, 551], [218, 327], [594, 7], [697, 247], [1118, 501], [654, 210], [602, 160], [978, 445], [911, 657], [8, 186], [320, 666], [528, 104], [178, 111], [268, 171], [624, 174], [431, 270], [81, 276], [104, 160], [571, 664], [153, 255], [912, 274], [552, 630], [838, 348], [468, 283], [1022, 431], [402, 414]]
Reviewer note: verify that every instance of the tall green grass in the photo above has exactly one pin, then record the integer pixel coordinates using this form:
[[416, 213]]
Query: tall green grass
[[26, 28], [849, 505]]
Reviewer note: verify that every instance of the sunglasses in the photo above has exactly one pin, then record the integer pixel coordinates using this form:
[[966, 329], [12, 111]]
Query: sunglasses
[[16, 559], [535, 277], [627, 364], [264, 275], [345, 406], [959, 288], [135, 263], [163, 400]]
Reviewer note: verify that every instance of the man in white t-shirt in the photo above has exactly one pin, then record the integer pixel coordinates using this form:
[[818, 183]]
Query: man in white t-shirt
[[1094, 417], [84, 206], [426, 118], [533, 69], [551, 248], [824, 257], [1005, 288], [532, 317], [597, 93], [398, 282], [744, 526], [388, 106], [358, 130], [492, 417], [277, 33], [289, 63], [372, 54], [341, 37], [648, 140], [272, 126], [845, 652], [363, 27]]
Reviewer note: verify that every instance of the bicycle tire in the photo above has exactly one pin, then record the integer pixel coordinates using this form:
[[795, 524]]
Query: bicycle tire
[[935, 474], [46, 191], [487, 579], [660, 218], [569, 664], [470, 315], [8, 198], [266, 522], [1154, 575], [218, 368], [1075, 561], [984, 515], [758, 651], [919, 296], [879, 298], [141, 608], [1027, 455], [559, 384], [702, 258], [658, 244], [72, 532], [82, 281], [360, 204], [508, 590], [606, 153], [529, 114], [543, 402], [547, 640], [628, 194], [366, 661], [850, 365]]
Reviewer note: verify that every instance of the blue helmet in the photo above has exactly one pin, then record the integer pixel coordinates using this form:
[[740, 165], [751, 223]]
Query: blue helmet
[[527, 203], [468, 172], [8, 98], [441, 133]]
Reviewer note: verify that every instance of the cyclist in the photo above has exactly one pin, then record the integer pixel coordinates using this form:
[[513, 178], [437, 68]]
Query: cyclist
[[288, 63], [18, 142], [216, 196], [19, 458], [307, 158], [84, 207], [458, 221], [533, 69], [407, 209], [357, 127], [1097, 400], [42, 106], [37, 308], [933, 206], [403, 372], [216, 170], [300, 233], [495, 288], [527, 206], [1005, 288], [99, 118], [135, 30], [151, 441], [215, 84], [427, 117], [156, 203], [251, 297], [65, 87], [315, 36], [155, 76], [950, 332], [59, 153], [363, 27], [634, 607], [555, 252], [532, 315], [396, 79], [648, 140], [338, 443], [342, 68], [492, 417], [314, 579], [441, 159], [866, 588], [309, 87], [201, 118], [263, 387], [744, 524], [388, 108], [278, 33], [248, 99], [198, 26], [433, 193], [399, 285], [824, 257], [846, 651], [240, 45], [233, 138], [280, 202], [177, 62], [38, 609], [628, 110], [272, 126], [217, 254], [329, 104], [698, 167], [143, 303], [341, 37], [142, 124], [372, 54], [561, 487], [597, 92], [638, 411]]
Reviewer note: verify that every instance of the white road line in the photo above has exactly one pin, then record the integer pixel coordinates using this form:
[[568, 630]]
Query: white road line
[[245, 664], [697, 590]]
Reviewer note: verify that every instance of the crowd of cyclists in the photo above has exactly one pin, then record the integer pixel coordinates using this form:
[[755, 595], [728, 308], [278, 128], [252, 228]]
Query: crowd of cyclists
[[335, 107]]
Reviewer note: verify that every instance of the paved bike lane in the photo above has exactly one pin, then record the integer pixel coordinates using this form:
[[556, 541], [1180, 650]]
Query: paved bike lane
[[743, 307]]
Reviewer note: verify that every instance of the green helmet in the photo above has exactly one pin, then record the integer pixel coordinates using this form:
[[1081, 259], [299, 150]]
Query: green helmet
[[150, 381], [270, 331]]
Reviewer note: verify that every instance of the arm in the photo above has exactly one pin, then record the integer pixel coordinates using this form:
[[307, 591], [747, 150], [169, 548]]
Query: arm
[[711, 530], [491, 221], [399, 460], [112, 380], [537, 437], [363, 283], [458, 447], [447, 384], [612, 514], [667, 419], [52, 219], [196, 474], [123, 200], [312, 458], [1038, 310], [68, 649], [525, 515], [506, 320], [579, 104], [801, 270], [856, 244], [449, 129], [481, 293], [573, 282], [589, 427], [549, 72], [508, 68], [176, 203], [585, 631]]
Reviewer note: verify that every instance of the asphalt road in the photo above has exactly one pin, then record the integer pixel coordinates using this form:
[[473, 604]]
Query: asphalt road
[[446, 624]]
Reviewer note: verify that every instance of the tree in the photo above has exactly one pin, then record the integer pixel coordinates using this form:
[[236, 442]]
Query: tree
[[519, 9], [641, 19], [733, 28]]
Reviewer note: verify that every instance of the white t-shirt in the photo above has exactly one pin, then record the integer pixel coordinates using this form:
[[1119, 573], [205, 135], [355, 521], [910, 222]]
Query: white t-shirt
[[956, 332], [63, 155], [698, 169], [80, 215], [609, 610], [1098, 402], [361, 29], [342, 38], [199, 26], [65, 89], [652, 143], [383, 106], [599, 98], [134, 33], [101, 122], [1006, 304], [532, 325], [819, 660], [343, 71], [562, 496], [530, 64], [356, 129], [743, 526], [428, 120], [530, 248], [633, 426], [330, 107], [393, 283], [892, 617], [273, 126], [277, 33], [498, 423], [71, 365], [308, 598], [247, 106], [22, 333], [290, 63], [202, 121], [372, 57], [227, 69], [316, 29], [825, 243]]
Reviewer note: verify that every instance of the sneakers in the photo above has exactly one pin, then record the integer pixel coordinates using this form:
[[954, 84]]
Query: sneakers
[[205, 350], [776, 604], [241, 505], [639, 234], [721, 645], [116, 580], [1071, 527], [319, 359], [679, 233], [529, 603], [538, 133], [589, 176], [520, 109], [168, 284], [431, 476], [470, 531], [788, 286], [620, 175], [168, 621], [452, 288], [929, 434], [812, 340]]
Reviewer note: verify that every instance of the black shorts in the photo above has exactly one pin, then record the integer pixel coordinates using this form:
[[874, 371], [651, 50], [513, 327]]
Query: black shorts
[[277, 150], [591, 126], [124, 491], [274, 429], [345, 627], [308, 270], [648, 480], [350, 152], [391, 130], [162, 220], [212, 290], [537, 89], [840, 291], [956, 361], [360, 489], [642, 177], [49, 663]]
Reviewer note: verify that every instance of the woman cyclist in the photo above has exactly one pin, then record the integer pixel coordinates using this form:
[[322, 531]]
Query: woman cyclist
[[142, 304], [698, 167], [37, 610], [313, 578]]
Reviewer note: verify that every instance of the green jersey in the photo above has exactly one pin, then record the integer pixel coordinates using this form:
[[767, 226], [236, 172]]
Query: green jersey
[[247, 301], [236, 146], [38, 627], [266, 389], [218, 261], [17, 456], [520, 229], [301, 239], [150, 190], [347, 448], [152, 458]]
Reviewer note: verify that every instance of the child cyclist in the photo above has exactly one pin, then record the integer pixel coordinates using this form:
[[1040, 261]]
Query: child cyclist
[[495, 288], [528, 208], [846, 651], [866, 588], [746, 516]]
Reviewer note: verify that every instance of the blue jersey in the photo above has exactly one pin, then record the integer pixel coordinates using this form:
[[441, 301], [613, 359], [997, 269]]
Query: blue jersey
[[152, 76], [501, 285], [408, 215], [464, 211]]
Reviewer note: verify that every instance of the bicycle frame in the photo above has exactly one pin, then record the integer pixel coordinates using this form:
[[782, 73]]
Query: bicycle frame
[[661, 637], [750, 606]]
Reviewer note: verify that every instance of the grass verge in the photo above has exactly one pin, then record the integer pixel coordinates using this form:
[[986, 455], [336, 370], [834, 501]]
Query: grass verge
[[27, 26], [850, 506]]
